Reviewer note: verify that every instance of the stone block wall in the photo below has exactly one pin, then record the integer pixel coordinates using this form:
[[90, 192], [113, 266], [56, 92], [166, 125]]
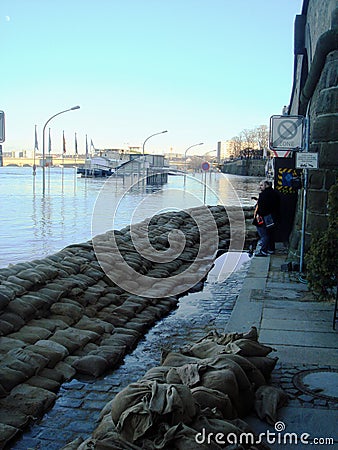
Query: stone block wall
[[315, 95]]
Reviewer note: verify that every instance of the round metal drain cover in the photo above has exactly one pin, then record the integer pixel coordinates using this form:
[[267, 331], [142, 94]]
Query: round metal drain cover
[[322, 383]]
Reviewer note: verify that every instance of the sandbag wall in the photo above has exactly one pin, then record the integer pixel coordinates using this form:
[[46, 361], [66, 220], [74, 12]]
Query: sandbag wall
[[196, 399], [63, 314]]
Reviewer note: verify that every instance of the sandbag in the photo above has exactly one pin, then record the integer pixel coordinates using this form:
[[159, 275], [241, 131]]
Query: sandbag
[[254, 375], [129, 396], [205, 349], [267, 400], [223, 380], [211, 398], [223, 362], [188, 374], [93, 365], [263, 363], [157, 373], [248, 347]]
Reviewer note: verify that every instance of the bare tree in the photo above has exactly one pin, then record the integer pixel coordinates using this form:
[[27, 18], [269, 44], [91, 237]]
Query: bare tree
[[262, 137]]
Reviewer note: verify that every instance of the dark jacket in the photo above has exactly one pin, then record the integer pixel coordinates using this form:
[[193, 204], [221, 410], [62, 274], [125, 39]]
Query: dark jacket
[[268, 203]]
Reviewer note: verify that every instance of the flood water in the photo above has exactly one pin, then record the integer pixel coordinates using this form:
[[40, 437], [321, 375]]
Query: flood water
[[34, 224]]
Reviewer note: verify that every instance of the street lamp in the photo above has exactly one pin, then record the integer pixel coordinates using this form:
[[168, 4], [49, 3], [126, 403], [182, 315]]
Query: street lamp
[[207, 153], [185, 157], [165, 131], [43, 144]]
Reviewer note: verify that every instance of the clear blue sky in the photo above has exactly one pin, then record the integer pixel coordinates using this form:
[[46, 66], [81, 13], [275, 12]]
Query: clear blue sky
[[202, 69]]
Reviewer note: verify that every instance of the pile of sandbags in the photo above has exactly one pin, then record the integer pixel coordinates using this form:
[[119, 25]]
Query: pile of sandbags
[[69, 313], [196, 399]]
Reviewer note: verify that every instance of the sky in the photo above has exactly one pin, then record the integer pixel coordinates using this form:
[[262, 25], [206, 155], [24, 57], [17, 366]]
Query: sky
[[204, 70]]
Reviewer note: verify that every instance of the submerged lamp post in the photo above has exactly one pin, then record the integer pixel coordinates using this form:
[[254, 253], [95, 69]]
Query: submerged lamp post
[[165, 131], [185, 158], [43, 144]]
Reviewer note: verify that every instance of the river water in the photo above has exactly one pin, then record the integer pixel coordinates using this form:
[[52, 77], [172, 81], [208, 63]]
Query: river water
[[34, 224]]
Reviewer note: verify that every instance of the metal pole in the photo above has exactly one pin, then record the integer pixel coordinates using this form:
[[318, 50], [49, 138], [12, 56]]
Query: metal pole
[[306, 176], [205, 187], [43, 144], [160, 132]]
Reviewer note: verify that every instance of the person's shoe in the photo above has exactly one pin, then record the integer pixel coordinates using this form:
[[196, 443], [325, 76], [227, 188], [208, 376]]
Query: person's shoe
[[261, 253], [271, 252]]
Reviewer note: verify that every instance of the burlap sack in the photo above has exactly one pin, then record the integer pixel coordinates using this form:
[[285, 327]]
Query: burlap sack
[[248, 347], [267, 401], [210, 398]]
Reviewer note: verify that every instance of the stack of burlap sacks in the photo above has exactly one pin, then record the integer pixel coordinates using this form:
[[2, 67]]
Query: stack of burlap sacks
[[63, 315], [197, 394]]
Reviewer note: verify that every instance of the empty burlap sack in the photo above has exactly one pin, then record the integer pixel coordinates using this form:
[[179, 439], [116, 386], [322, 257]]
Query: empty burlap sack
[[129, 396], [158, 373], [218, 427], [188, 374], [224, 362], [175, 359], [254, 375], [248, 347], [174, 402], [174, 399], [223, 380], [205, 349], [267, 400], [264, 363], [182, 437], [211, 398]]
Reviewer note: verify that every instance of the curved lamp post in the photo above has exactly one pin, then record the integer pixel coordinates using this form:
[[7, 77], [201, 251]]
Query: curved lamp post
[[43, 144], [185, 157], [160, 132]]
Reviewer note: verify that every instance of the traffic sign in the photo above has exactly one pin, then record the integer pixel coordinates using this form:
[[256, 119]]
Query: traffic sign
[[281, 153], [306, 160], [205, 166], [286, 132]]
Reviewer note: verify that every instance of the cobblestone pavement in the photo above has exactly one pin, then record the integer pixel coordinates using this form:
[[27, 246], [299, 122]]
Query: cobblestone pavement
[[80, 401], [283, 377]]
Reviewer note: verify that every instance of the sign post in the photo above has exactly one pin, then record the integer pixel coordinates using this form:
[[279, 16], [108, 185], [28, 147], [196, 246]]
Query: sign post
[[306, 177], [2, 127], [205, 166], [2, 134]]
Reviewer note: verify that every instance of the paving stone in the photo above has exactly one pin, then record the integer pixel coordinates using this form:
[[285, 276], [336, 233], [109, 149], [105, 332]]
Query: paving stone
[[305, 398]]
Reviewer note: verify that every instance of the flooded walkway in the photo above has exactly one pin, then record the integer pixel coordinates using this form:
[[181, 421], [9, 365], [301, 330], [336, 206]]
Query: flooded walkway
[[80, 401]]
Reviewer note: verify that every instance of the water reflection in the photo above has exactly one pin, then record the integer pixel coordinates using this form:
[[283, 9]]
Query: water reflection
[[33, 226]]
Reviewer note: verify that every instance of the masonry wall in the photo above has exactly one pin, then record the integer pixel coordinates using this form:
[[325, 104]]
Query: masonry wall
[[315, 95], [245, 167]]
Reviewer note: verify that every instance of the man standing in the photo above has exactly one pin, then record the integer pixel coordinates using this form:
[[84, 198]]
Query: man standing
[[267, 213]]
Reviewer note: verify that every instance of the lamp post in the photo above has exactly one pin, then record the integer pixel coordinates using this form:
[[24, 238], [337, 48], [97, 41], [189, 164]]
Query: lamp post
[[160, 132], [43, 144], [207, 153], [185, 158]]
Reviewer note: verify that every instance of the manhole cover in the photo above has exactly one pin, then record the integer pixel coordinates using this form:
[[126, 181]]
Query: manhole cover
[[322, 383]]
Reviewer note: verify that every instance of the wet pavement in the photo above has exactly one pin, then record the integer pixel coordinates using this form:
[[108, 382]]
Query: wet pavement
[[80, 401]]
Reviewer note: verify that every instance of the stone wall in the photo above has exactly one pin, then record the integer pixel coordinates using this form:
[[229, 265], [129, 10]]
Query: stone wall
[[315, 95], [245, 167]]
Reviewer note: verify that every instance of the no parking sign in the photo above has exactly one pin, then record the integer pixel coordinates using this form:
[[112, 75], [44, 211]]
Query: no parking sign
[[286, 132], [205, 166]]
